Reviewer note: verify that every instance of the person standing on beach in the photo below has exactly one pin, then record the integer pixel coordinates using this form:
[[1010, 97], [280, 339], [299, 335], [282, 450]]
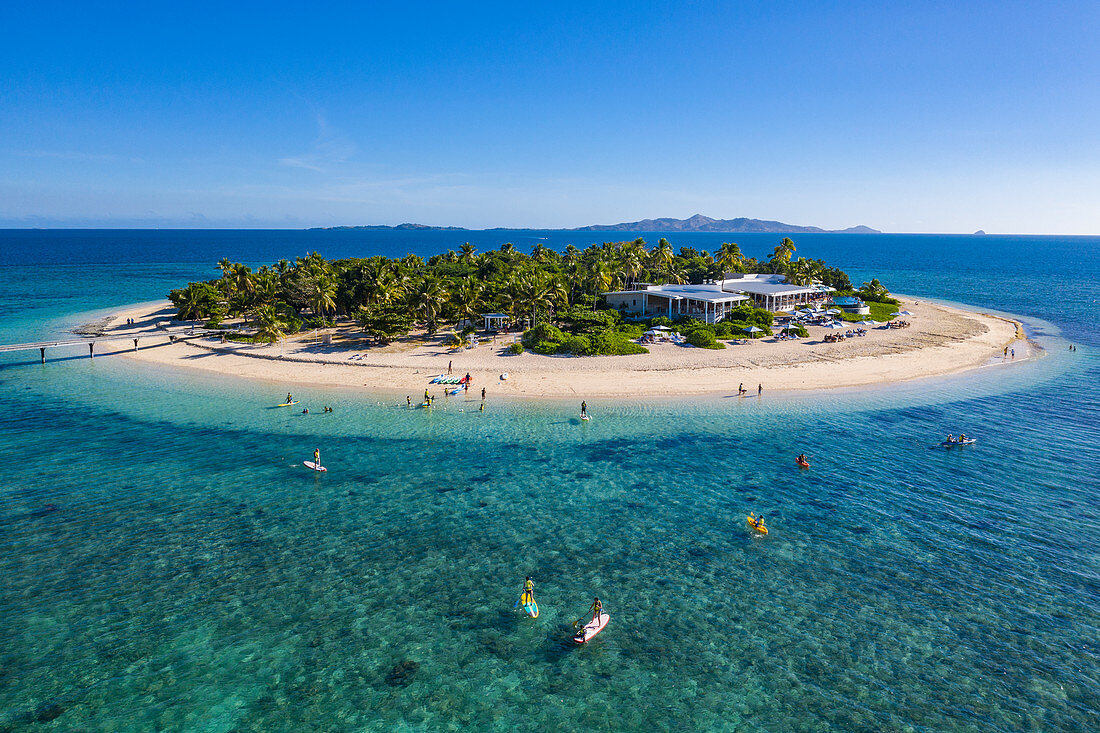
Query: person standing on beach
[[449, 366], [482, 394], [759, 390]]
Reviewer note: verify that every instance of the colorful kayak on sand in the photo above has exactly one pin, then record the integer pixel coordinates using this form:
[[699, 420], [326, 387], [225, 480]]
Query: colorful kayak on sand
[[592, 628]]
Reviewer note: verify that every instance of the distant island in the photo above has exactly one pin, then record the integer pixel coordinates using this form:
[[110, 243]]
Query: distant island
[[697, 223], [700, 223]]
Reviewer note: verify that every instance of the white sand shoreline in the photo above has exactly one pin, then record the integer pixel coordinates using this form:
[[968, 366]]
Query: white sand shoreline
[[942, 341]]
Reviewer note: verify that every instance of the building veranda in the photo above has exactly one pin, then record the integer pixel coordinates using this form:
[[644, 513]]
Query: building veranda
[[712, 301]]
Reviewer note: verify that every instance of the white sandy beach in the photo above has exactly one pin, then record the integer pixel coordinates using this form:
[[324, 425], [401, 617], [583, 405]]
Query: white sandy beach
[[941, 340]]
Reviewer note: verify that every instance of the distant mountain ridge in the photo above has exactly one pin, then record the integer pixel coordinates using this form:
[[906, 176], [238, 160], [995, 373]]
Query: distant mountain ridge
[[700, 223], [697, 223]]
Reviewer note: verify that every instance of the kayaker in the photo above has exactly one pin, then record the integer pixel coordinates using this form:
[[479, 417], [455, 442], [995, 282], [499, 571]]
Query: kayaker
[[597, 607], [757, 522], [528, 594], [962, 437], [802, 458], [584, 409], [950, 438]]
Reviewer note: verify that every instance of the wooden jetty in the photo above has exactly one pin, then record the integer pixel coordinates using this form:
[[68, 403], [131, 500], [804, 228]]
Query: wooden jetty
[[93, 340]]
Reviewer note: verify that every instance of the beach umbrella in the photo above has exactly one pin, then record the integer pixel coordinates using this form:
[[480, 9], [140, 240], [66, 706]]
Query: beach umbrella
[[833, 311], [897, 313], [834, 324], [661, 328], [866, 323], [906, 313], [753, 329]]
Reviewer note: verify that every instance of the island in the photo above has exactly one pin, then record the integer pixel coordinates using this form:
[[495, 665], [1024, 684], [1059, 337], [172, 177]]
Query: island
[[696, 223], [614, 319]]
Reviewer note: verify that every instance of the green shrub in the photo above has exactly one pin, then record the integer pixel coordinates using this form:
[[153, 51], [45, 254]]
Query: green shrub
[[660, 321], [800, 330], [541, 332], [704, 338], [613, 343], [516, 348], [214, 322], [546, 347], [723, 330], [576, 345], [631, 330]]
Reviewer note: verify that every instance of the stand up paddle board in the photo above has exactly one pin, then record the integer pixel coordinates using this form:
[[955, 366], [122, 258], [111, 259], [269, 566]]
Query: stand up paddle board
[[314, 466], [531, 609], [585, 418], [592, 628], [287, 404]]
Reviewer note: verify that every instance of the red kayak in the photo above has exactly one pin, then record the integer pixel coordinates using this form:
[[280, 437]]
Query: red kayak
[[802, 464]]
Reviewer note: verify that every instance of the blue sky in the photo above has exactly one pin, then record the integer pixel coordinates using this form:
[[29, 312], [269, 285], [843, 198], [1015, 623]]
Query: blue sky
[[925, 117]]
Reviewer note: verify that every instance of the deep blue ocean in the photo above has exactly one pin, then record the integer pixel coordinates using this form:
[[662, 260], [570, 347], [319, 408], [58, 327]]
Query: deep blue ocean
[[168, 564]]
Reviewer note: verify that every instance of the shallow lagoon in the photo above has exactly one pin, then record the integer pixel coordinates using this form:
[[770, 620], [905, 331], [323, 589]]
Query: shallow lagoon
[[168, 563]]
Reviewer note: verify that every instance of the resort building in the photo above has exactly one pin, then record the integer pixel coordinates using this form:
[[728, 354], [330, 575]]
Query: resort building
[[711, 301], [707, 302]]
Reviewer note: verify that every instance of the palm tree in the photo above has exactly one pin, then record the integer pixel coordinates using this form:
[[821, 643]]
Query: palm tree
[[241, 277], [431, 299], [467, 299], [467, 252], [662, 255], [322, 293], [268, 326], [781, 255], [599, 279], [196, 301], [730, 257]]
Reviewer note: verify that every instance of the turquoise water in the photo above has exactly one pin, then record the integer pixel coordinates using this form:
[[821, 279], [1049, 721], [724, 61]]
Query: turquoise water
[[168, 564]]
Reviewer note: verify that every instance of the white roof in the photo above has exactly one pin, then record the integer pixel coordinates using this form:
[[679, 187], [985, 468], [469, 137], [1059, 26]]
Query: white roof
[[711, 293], [767, 288]]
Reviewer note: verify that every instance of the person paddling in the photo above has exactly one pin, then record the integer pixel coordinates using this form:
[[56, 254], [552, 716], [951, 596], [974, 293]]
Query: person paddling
[[528, 594], [584, 409], [289, 398], [597, 608], [317, 457]]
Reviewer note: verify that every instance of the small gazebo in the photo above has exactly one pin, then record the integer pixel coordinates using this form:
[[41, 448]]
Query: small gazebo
[[495, 321]]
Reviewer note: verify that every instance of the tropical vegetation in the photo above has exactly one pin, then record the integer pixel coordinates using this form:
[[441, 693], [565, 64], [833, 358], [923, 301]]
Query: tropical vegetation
[[555, 295]]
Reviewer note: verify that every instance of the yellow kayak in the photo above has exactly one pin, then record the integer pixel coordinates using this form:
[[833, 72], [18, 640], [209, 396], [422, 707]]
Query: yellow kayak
[[758, 527]]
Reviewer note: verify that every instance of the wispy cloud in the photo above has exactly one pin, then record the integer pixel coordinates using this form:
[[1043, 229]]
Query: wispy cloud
[[330, 150]]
